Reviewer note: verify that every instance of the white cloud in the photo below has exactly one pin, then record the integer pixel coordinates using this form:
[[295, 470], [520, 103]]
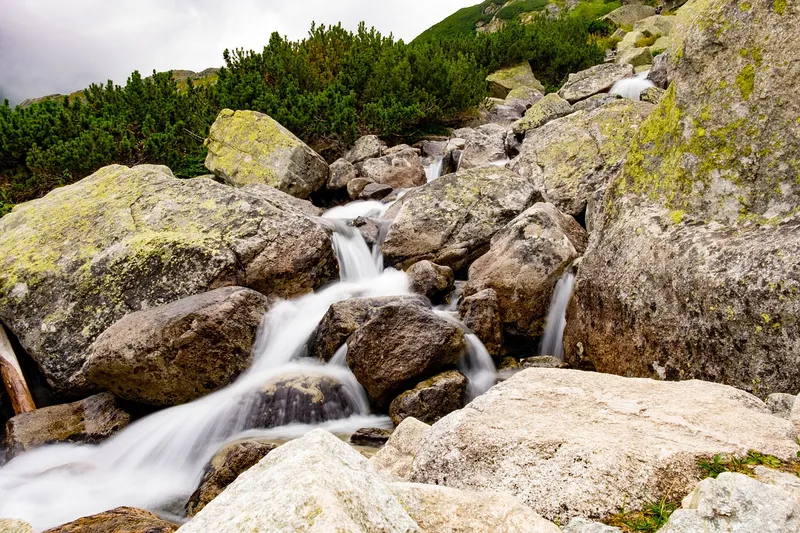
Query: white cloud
[[52, 46]]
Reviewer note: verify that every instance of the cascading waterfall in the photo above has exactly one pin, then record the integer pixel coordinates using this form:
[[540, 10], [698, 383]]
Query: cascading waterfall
[[434, 169], [157, 462], [632, 88], [553, 339]]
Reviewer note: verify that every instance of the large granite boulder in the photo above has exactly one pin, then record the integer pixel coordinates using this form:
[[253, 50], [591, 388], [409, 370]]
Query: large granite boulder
[[480, 312], [396, 457], [536, 436], [525, 261], [119, 520], [505, 80], [126, 239], [548, 108], [430, 280], [400, 170], [366, 147], [484, 145], [597, 79], [178, 352], [87, 421], [628, 15], [246, 147], [706, 211], [451, 220], [570, 158], [431, 399]]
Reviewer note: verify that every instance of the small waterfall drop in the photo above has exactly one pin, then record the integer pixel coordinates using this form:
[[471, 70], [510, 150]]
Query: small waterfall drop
[[553, 339], [434, 169], [632, 88], [478, 366]]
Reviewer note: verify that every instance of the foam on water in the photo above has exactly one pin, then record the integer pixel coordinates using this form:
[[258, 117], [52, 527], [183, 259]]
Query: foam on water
[[632, 88]]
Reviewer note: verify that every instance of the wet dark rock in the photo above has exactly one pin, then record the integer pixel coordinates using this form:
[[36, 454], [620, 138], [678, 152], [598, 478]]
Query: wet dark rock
[[375, 191], [430, 280], [119, 520], [374, 437], [480, 312], [431, 399]]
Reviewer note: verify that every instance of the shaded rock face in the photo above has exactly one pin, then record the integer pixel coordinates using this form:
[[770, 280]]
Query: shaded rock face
[[502, 82], [451, 220], [431, 399], [342, 172], [374, 437], [524, 263], [119, 520], [485, 144], [706, 211], [535, 435], [126, 239], [430, 280], [570, 158], [400, 170], [181, 351], [87, 421], [366, 147], [400, 345], [343, 319], [226, 465], [246, 147], [480, 312], [659, 72], [596, 79]]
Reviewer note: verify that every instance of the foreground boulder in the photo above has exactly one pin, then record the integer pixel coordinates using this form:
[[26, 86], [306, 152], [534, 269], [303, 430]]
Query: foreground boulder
[[246, 147], [181, 351], [318, 484], [119, 520], [431, 399], [400, 345], [126, 239], [396, 458], [88, 421], [570, 158], [706, 208], [535, 435], [451, 220], [524, 263], [597, 79]]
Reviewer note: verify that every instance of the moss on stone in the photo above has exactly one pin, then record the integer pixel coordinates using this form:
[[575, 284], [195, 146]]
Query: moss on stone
[[745, 81]]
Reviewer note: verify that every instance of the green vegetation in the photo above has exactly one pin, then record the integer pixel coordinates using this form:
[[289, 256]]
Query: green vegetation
[[745, 465], [646, 40], [511, 11], [650, 519], [461, 23]]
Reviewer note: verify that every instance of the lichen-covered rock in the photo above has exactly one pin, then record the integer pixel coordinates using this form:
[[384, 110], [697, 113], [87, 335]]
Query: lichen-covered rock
[[484, 145], [223, 469], [126, 239], [480, 312], [119, 520], [176, 353], [635, 57], [344, 318], [548, 108], [281, 200], [706, 208], [246, 147], [570, 158], [430, 280], [596, 79], [524, 263], [651, 95], [431, 399], [15, 526], [505, 80], [400, 345], [91, 420], [735, 502], [342, 172], [629, 14], [781, 404], [400, 169], [366, 147], [397, 456], [593, 102], [523, 96], [450, 220], [655, 25], [536, 436], [659, 71]]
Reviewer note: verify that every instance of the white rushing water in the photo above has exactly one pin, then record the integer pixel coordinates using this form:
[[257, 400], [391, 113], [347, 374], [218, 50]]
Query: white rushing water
[[434, 169], [632, 88], [157, 462], [553, 339]]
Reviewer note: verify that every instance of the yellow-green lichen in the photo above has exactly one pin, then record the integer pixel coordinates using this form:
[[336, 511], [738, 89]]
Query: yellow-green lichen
[[745, 81], [779, 6], [676, 216]]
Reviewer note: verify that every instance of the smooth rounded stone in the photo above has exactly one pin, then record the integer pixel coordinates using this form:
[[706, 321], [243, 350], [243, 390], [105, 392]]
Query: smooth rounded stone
[[316, 483], [735, 502], [651, 95], [583, 525], [342, 172], [480, 312], [88, 421], [636, 57], [223, 469], [431, 399], [524, 96], [126, 239], [451, 220], [628, 15], [246, 147], [300, 399], [366, 147], [439, 509], [593, 102], [655, 25], [400, 345], [790, 483], [535, 435], [542, 361], [375, 191], [659, 71], [281, 200], [525, 261], [505, 80], [356, 186], [396, 457], [374, 437], [548, 108], [430, 280], [570, 158], [707, 205], [176, 353], [485, 145], [8, 525], [399, 168], [781, 404], [597, 79], [344, 318], [119, 520]]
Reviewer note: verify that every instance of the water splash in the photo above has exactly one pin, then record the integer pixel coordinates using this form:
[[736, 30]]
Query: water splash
[[478, 366], [553, 339], [434, 169], [632, 88]]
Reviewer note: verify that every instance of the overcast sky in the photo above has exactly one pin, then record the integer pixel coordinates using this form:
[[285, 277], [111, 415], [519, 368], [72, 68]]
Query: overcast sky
[[57, 46]]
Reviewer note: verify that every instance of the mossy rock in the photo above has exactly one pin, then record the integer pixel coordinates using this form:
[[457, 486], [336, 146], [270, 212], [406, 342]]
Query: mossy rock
[[503, 81], [548, 108]]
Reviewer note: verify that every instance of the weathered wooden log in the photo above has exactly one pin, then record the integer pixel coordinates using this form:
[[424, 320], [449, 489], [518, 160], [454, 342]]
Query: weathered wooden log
[[14, 380]]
